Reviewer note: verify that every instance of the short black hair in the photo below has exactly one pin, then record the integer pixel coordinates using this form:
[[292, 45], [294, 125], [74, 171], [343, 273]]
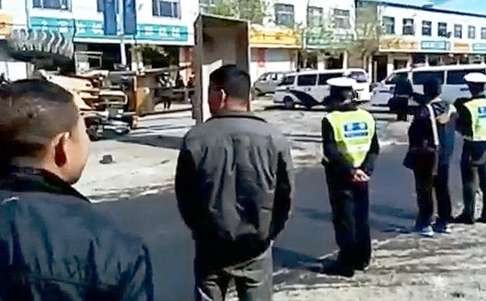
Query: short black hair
[[432, 87], [32, 112], [233, 81]]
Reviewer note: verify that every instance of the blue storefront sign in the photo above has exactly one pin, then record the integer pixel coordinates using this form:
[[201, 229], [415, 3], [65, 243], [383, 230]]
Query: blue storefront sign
[[156, 32], [479, 47], [435, 45], [95, 29]]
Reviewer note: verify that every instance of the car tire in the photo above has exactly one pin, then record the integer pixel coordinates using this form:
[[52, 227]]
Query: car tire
[[288, 103]]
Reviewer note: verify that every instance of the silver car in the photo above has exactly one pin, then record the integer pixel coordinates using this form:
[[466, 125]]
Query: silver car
[[267, 83]]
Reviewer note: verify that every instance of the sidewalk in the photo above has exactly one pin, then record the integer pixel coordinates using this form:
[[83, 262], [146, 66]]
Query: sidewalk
[[447, 267]]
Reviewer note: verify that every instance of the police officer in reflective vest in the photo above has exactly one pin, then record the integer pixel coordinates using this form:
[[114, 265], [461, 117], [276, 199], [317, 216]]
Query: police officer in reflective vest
[[350, 149], [472, 125]]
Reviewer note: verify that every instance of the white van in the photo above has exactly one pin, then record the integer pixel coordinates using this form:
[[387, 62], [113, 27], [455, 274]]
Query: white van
[[310, 88], [451, 77]]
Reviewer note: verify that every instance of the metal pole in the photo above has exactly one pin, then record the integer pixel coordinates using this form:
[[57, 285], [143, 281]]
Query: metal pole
[[123, 52], [28, 6]]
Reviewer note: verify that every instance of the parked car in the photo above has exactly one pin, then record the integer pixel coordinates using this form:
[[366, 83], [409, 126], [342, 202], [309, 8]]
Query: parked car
[[451, 77], [267, 83], [310, 88]]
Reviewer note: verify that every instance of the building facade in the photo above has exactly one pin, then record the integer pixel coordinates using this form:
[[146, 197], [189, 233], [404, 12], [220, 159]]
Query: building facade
[[297, 34], [424, 36], [166, 23], [302, 35]]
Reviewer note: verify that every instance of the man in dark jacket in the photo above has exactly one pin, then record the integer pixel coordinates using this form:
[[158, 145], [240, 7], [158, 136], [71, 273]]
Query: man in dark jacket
[[472, 125], [402, 94], [53, 243], [431, 139], [233, 185], [351, 147]]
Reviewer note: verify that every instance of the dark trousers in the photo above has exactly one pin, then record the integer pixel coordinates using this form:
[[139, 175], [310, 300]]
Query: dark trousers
[[402, 108], [253, 279], [425, 184], [472, 175], [442, 194], [350, 208]]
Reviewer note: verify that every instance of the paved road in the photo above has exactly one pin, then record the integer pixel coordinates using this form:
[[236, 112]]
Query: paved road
[[309, 233]]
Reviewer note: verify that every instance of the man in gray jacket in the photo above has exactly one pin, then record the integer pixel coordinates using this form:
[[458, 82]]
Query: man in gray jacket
[[234, 184]]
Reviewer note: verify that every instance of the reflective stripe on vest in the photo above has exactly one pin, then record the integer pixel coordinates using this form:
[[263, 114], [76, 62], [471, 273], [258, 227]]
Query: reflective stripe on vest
[[477, 109], [353, 132]]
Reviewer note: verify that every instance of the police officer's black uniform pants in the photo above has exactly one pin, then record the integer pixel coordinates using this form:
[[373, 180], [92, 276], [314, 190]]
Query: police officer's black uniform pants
[[350, 207], [472, 175], [402, 108], [442, 193], [253, 279]]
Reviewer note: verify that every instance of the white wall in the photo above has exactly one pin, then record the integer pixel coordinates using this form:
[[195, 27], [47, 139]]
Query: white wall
[[15, 8], [275, 60]]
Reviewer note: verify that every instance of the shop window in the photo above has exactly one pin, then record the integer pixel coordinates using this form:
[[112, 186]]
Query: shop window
[[458, 31], [314, 16], [426, 28], [166, 8], [342, 19], [442, 30], [284, 14], [471, 32], [389, 25], [408, 27], [307, 80], [205, 5], [483, 33], [51, 4]]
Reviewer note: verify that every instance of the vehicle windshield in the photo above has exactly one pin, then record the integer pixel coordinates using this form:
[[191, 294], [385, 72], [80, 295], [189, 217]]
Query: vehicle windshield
[[392, 79], [288, 80], [359, 77]]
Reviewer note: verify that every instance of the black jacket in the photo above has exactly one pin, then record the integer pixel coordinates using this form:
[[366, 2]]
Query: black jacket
[[234, 184], [421, 135], [473, 152], [334, 160], [55, 246]]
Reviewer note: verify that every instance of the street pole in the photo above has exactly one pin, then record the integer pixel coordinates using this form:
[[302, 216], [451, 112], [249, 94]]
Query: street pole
[[28, 6], [123, 52]]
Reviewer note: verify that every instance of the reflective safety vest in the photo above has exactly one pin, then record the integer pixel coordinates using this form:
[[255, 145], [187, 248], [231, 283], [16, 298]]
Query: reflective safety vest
[[353, 132], [477, 109]]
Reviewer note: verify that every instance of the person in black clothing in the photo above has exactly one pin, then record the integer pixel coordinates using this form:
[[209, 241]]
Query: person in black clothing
[[351, 147], [402, 94], [54, 245], [431, 139], [233, 185], [471, 125]]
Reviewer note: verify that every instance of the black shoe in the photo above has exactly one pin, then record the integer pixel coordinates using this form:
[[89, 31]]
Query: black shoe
[[463, 219], [361, 266], [338, 269], [481, 220]]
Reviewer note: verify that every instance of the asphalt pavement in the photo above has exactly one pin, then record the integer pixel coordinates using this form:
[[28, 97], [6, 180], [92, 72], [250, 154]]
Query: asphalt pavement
[[309, 233]]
